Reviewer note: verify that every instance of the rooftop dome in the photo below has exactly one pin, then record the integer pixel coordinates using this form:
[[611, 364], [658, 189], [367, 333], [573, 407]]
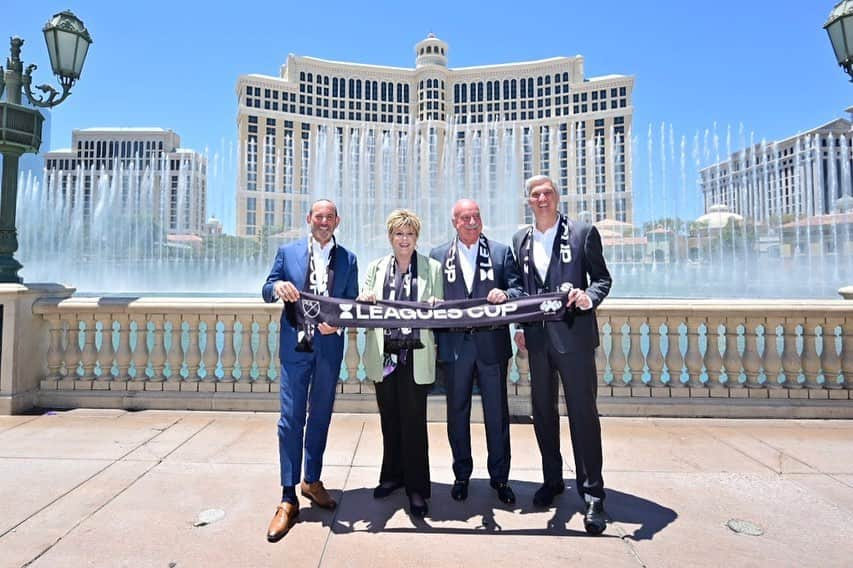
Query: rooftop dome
[[718, 216]]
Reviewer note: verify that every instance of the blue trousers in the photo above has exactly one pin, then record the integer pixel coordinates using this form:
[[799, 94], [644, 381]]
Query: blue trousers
[[307, 392]]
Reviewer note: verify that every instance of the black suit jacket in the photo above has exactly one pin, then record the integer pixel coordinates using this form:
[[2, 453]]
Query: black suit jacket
[[493, 345], [578, 330]]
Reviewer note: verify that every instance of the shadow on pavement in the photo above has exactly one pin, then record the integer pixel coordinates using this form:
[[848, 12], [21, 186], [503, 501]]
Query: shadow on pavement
[[358, 511]]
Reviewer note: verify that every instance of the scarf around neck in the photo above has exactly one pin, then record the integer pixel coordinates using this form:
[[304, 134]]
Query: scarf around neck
[[562, 248], [454, 280]]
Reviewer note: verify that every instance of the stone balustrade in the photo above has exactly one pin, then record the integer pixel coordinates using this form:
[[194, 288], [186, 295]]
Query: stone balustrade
[[658, 357]]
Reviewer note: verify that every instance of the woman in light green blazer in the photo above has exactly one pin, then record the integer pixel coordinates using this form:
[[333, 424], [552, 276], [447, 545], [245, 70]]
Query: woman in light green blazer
[[401, 362]]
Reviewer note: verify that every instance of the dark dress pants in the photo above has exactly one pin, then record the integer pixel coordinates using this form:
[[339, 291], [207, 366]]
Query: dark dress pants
[[492, 381], [402, 414], [576, 371]]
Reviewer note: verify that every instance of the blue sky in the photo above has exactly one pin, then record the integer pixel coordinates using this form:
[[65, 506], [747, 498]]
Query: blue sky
[[757, 69]]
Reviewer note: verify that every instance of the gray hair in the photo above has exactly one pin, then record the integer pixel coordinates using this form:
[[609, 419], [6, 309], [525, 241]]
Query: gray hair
[[536, 180]]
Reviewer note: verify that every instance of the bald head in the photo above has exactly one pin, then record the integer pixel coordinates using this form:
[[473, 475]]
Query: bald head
[[466, 219]]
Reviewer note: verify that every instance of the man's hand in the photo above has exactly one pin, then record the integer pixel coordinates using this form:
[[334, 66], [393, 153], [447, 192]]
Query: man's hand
[[519, 340], [579, 298], [286, 291], [497, 296], [326, 329]]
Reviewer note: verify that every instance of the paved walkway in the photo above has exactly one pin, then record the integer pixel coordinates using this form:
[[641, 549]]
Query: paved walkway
[[115, 488]]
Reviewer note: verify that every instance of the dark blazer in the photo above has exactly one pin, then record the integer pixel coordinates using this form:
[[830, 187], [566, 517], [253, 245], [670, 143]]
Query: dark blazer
[[291, 264], [578, 330], [493, 345]]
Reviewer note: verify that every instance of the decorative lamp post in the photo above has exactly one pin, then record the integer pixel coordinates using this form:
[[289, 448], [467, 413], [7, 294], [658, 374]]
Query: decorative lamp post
[[839, 26], [20, 126]]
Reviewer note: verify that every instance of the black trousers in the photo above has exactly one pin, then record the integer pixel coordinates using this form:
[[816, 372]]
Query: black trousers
[[577, 373], [492, 381], [402, 414]]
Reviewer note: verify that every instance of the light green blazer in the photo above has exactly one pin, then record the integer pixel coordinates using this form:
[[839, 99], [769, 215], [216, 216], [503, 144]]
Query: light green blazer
[[430, 285]]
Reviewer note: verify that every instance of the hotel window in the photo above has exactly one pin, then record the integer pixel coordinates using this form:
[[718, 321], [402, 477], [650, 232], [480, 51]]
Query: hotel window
[[600, 157], [600, 209], [269, 212], [251, 211], [252, 163]]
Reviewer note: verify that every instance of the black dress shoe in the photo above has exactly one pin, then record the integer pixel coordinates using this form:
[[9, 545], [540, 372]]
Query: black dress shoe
[[459, 491], [594, 520], [385, 489], [418, 511], [505, 493], [544, 496]]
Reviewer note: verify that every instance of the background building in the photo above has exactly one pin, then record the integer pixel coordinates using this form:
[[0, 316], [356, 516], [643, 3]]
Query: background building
[[141, 169], [801, 176], [376, 137]]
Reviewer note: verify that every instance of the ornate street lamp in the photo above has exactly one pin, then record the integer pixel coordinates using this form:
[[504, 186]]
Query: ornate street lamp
[[839, 26], [20, 127]]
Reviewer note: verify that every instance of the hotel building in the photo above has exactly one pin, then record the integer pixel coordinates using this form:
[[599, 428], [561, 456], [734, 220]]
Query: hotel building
[[145, 166], [801, 176], [375, 137]]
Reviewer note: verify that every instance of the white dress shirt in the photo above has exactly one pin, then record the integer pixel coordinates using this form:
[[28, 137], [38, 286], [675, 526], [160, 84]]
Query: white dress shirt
[[467, 261]]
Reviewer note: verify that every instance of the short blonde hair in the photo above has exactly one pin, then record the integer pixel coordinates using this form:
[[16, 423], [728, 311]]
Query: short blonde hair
[[400, 218]]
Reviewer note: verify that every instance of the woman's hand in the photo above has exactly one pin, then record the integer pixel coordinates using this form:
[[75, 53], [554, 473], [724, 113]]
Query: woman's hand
[[366, 297]]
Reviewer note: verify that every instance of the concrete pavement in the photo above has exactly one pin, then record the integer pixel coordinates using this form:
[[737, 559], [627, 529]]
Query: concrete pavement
[[117, 488]]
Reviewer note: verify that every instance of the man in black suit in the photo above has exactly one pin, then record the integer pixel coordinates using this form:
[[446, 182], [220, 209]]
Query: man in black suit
[[554, 254], [476, 267]]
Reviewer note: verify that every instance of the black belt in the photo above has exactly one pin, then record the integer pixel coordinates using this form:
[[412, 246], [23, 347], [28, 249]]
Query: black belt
[[473, 330]]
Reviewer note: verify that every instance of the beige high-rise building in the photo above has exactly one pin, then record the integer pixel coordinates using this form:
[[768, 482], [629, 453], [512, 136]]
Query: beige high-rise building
[[801, 176], [375, 138], [146, 167]]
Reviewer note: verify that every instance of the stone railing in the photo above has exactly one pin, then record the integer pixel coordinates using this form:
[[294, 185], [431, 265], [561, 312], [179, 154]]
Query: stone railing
[[658, 357]]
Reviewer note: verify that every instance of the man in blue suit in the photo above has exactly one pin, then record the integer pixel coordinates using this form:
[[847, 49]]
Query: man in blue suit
[[476, 267], [310, 358]]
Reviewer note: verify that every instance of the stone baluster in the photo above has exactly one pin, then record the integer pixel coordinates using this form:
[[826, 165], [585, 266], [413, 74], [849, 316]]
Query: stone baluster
[[636, 361], [175, 354], [522, 363], [262, 356], [211, 355], [673, 359], [617, 352], [751, 360], [693, 361], [244, 355], [107, 353], [140, 351], [89, 353], [351, 358], [772, 360], [809, 359], [830, 362], [600, 365], [275, 364], [846, 354], [731, 359], [74, 350], [123, 352], [157, 355], [654, 358], [228, 356], [192, 356], [55, 349], [790, 357], [713, 360]]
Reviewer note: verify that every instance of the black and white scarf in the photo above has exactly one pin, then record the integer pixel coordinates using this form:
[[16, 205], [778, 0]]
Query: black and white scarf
[[561, 240], [400, 340], [319, 282], [454, 280]]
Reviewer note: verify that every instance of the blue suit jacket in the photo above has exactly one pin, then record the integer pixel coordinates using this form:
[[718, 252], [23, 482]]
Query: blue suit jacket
[[493, 346], [291, 264]]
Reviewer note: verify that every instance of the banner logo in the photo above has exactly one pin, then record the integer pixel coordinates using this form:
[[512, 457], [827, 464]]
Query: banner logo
[[550, 306], [346, 311], [311, 308]]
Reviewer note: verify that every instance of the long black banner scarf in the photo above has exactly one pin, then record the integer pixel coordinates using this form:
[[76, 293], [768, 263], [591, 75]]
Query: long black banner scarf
[[453, 278], [403, 287], [313, 309], [318, 282], [565, 251]]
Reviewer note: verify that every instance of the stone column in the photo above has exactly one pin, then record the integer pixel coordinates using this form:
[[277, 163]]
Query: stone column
[[24, 340]]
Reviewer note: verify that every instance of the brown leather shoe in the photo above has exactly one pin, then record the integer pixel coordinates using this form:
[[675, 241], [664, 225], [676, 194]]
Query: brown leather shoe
[[318, 494], [282, 521]]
